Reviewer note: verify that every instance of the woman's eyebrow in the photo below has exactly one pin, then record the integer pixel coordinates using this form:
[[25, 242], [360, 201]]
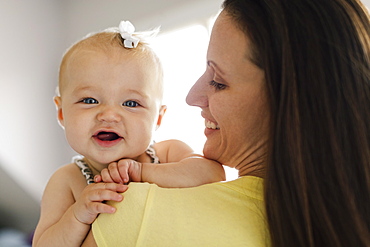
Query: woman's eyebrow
[[214, 65]]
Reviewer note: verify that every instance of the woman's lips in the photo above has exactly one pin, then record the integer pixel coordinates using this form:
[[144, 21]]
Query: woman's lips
[[211, 125]]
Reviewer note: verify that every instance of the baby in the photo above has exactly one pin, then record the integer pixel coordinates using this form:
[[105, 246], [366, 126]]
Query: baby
[[109, 104]]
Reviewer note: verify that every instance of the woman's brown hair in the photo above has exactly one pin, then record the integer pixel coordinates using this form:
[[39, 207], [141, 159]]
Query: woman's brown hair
[[316, 58]]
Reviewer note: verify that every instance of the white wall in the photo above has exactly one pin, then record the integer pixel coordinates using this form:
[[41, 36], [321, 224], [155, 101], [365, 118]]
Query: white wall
[[29, 51]]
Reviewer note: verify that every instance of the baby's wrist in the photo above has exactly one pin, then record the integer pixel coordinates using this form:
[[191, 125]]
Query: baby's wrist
[[78, 220], [143, 172]]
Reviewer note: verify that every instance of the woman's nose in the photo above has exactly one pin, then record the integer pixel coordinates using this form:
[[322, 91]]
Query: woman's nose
[[109, 114], [197, 95]]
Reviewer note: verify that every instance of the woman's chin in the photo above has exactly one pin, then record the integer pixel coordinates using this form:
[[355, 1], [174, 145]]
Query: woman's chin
[[209, 152]]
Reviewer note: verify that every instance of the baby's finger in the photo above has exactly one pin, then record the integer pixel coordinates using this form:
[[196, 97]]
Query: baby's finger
[[119, 188], [105, 175], [98, 178], [113, 187], [100, 208], [114, 173], [100, 195], [123, 167]]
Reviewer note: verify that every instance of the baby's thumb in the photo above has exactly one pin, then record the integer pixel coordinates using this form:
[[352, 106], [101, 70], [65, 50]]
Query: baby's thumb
[[98, 179]]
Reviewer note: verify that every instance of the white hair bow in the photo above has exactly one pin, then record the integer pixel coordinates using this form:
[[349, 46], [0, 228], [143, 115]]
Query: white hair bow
[[126, 29]]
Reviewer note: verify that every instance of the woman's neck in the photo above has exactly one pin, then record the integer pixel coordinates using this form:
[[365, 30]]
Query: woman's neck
[[256, 168]]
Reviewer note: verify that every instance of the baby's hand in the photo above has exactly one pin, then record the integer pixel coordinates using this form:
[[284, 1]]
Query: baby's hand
[[90, 203], [121, 172]]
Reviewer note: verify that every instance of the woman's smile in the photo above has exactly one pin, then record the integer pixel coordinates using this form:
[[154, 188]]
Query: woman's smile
[[211, 125]]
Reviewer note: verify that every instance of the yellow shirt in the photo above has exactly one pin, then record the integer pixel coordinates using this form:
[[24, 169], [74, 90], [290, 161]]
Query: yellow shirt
[[219, 214]]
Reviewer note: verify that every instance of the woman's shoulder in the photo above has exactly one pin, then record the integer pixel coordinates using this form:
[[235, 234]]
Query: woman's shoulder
[[248, 185], [197, 211], [243, 190]]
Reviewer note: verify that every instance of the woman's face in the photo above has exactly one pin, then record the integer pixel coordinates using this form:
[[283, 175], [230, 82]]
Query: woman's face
[[232, 96]]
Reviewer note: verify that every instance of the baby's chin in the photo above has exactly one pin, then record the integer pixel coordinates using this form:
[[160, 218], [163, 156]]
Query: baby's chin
[[105, 161], [101, 162]]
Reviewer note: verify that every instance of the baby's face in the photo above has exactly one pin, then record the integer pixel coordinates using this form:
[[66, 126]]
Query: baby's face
[[109, 104]]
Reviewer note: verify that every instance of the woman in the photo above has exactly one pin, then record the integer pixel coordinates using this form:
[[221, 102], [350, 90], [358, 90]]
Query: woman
[[286, 98]]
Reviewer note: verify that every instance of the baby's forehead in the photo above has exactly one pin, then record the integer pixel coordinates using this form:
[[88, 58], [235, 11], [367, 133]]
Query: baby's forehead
[[85, 63], [87, 51], [113, 51], [110, 45]]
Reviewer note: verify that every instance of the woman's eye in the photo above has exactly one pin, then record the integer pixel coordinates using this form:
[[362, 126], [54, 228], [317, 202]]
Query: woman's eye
[[130, 103], [89, 101], [216, 85]]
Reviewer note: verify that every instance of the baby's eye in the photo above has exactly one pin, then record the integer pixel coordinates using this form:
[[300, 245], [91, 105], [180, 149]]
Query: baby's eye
[[130, 103], [89, 101], [216, 85]]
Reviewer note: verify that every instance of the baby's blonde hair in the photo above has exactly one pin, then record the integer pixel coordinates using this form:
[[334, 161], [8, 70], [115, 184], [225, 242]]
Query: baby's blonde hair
[[107, 42]]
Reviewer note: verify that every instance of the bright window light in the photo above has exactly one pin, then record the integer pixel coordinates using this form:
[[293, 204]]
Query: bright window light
[[183, 55]]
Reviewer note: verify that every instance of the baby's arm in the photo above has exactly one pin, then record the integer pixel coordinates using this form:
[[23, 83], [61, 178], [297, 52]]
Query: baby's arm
[[179, 167], [89, 240], [64, 221], [185, 168], [189, 172]]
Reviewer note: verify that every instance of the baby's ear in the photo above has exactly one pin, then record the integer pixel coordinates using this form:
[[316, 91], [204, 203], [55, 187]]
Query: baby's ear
[[58, 104], [162, 111]]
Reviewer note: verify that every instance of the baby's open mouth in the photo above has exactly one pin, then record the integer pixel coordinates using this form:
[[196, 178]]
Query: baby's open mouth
[[107, 136]]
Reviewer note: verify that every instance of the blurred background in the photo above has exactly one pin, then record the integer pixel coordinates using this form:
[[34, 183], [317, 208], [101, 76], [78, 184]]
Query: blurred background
[[34, 36]]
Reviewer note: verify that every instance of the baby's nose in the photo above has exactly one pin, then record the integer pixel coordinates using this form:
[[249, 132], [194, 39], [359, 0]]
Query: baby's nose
[[109, 114]]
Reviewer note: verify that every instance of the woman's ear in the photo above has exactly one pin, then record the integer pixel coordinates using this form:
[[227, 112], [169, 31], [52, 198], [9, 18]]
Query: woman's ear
[[162, 111], [58, 104]]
